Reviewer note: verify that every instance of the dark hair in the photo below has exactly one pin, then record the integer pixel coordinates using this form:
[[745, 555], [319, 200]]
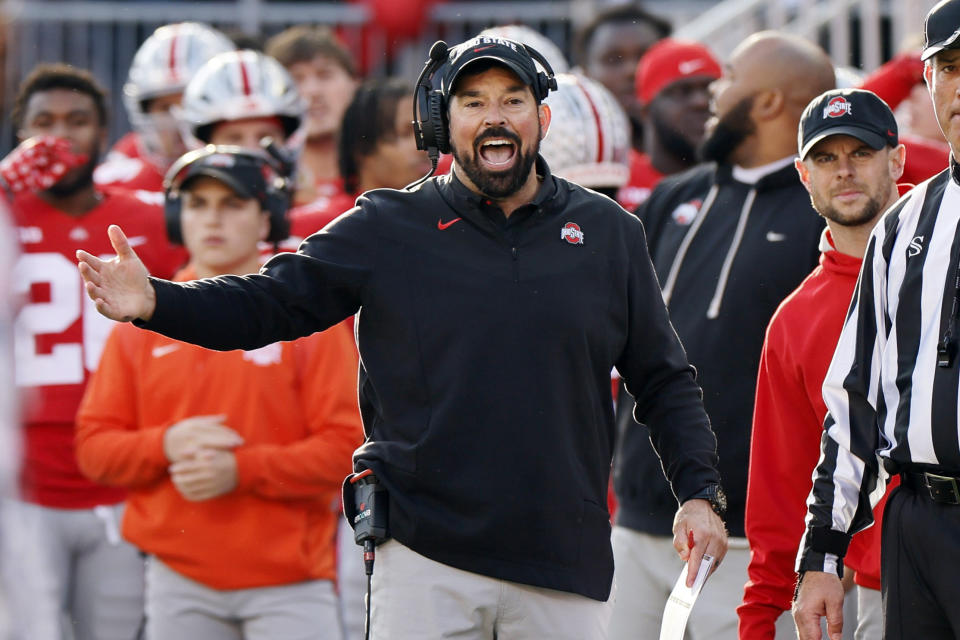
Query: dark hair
[[369, 119], [58, 75], [303, 43], [621, 13], [243, 40]]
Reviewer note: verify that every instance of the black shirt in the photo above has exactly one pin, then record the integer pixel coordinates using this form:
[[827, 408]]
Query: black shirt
[[486, 356]]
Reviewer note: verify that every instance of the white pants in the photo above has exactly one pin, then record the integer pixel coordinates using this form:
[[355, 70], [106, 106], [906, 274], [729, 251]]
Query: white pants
[[70, 567], [415, 597], [647, 569], [869, 613], [179, 608], [351, 582]]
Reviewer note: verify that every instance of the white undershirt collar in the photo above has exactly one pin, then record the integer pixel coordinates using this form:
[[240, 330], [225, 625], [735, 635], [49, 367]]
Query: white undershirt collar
[[752, 175]]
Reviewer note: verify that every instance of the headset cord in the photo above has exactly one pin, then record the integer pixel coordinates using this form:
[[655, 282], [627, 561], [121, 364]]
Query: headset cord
[[434, 158], [369, 555]]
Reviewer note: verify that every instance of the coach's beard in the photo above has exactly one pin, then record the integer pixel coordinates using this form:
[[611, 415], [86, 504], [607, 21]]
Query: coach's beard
[[498, 184]]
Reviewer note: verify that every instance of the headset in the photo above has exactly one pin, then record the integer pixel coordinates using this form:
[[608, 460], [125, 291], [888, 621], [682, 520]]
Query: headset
[[273, 164], [430, 126]]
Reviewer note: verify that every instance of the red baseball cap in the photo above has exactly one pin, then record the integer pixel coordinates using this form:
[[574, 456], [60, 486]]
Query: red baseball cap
[[670, 60]]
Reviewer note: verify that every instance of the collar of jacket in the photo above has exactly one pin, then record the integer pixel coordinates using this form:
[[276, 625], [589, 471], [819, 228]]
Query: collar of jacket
[[465, 202], [954, 170], [784, 177]]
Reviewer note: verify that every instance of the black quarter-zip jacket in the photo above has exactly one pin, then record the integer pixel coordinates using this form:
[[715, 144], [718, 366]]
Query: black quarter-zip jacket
[[726, 253], [486, 346]]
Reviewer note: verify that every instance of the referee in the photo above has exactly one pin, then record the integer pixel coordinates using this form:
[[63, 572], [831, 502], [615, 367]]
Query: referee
[[892, 395]]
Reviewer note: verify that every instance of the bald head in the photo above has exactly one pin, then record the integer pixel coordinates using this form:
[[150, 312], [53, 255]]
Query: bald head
[[768, 80], [789, 63]]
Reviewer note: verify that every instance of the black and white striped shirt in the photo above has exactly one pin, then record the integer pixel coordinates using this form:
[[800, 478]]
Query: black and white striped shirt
[[887, 399]]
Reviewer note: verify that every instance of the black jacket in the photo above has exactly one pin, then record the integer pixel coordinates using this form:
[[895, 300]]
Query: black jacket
[[726, 253], [486, 347]]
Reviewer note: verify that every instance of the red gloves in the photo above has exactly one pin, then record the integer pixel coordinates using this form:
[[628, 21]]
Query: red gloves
[[38, 163]]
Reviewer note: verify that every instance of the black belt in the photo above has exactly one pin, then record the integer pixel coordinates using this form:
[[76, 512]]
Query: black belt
[[942, 489]]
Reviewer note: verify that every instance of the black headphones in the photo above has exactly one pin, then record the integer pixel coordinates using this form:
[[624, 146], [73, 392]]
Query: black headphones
[[430, 126], [272, 169]]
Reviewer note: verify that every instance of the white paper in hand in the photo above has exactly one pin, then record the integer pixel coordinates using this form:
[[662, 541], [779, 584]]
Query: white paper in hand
[[681, 600]]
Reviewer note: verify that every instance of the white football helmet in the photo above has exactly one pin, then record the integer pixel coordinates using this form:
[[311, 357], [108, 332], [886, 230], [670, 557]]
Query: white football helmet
[[589, 137], [163, 65], [532, 38], [237, 85]]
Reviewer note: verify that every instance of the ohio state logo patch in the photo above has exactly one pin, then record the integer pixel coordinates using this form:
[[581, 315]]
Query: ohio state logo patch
[[687, 212], [571, 233], [837, 107]]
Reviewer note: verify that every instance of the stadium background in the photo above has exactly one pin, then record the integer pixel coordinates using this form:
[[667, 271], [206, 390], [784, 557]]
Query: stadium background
[[392, 36]]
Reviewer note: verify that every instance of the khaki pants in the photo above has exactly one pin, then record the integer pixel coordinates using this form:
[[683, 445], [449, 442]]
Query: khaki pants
[[647, 569], [415, 597], [179, 608]]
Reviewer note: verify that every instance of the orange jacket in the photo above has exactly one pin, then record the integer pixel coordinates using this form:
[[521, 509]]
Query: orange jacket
[[294, 403]]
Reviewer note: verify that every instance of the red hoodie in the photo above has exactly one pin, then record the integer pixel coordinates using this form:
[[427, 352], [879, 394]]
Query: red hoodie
[[785, 445]]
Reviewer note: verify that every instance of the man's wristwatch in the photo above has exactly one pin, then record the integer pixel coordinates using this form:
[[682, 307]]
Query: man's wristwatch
[[713, 494]]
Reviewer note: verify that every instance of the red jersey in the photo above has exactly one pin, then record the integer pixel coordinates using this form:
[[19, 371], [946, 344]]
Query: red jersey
[[310, 218], [785, 444], [129, 174], [925, 158], [60, 334], [443, 164], [127, 146], [310, 189], [643, 178]]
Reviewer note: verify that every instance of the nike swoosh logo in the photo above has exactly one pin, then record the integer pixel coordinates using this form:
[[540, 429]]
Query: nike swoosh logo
[[443, 225], [136, 241], [773, 236], [489, 46], [159, 352]]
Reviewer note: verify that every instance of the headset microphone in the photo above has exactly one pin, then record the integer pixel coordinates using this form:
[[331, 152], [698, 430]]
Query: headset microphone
[[439, 51]]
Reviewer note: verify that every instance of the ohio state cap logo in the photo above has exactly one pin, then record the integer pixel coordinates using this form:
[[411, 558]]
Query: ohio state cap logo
[[571, 233], [837, 107]]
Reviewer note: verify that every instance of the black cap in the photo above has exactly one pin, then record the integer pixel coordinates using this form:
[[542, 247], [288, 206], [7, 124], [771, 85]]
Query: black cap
[[942, 28], [852, 112], [503, 50], [249, 173]]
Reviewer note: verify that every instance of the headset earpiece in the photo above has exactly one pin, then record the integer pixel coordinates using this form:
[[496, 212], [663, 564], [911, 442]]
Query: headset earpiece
[[172, 204], [438, 121], [546, 79], [424, 136], [277, 205], [429, 119]]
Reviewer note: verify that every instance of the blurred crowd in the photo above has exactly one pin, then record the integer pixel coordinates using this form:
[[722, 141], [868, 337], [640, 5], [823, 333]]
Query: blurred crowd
[[148, 483]]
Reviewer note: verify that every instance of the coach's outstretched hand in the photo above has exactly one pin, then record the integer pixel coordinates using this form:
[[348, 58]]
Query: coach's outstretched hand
[[120, 287]]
